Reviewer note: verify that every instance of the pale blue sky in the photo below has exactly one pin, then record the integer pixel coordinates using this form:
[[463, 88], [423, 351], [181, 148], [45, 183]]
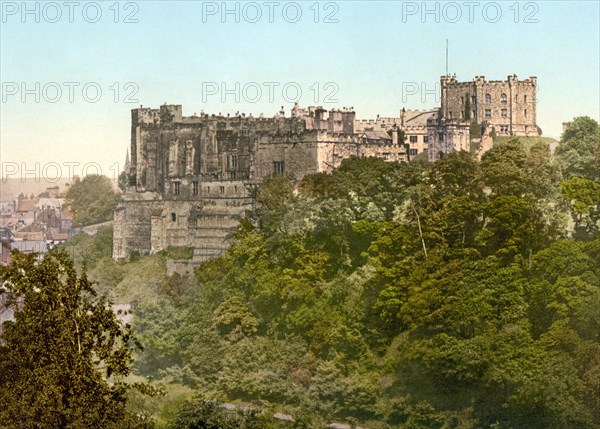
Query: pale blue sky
[[371, 55]]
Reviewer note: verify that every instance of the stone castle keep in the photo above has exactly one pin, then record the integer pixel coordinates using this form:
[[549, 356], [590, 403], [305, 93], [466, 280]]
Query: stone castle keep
[[190, 177]]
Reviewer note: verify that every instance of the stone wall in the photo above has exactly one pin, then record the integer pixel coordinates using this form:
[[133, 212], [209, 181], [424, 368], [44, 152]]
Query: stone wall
[[509, 107], [447, 137], [190, 178]]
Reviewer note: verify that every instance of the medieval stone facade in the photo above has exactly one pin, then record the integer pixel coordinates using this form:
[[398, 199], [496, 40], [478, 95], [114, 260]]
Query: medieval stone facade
[[509, 107], [190, 177]]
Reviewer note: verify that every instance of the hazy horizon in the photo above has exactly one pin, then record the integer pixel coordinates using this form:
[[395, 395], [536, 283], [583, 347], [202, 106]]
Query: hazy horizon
[[71, 77]]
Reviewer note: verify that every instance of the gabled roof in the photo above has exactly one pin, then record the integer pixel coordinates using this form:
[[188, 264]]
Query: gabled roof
[[414, 118], [376, 135], [30, 235]]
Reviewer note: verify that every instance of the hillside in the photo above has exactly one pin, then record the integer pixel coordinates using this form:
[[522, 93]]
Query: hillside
[[446, 295]]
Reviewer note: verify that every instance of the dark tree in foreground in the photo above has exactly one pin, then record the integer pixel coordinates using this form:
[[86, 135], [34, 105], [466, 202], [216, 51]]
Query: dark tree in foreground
[[62, 357]]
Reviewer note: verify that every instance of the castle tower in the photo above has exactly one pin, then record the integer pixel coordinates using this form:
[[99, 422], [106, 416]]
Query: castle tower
[[508, 107]]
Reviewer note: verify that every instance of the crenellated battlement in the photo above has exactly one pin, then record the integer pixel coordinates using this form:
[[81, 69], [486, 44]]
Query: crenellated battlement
[[190, 177], [506, 106]]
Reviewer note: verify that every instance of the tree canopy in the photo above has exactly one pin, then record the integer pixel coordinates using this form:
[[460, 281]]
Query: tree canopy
[[93, 200], [63, 358], [457, 294]]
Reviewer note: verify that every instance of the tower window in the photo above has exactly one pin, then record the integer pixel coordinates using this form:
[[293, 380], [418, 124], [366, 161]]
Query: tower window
[[173, 217], [488, 113], [503, 111], [222, 189], [413, 139], [525, 98], [177, 188], [503, 98], [525, 112], [195, 188], [488, 98], [473, 99], [278, 168]]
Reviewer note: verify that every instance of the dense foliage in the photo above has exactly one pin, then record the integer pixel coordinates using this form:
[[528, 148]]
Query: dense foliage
[[63, 358], [460, 294], [92, 200]]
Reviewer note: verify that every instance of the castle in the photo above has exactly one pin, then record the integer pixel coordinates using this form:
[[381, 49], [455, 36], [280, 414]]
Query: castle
[[190, 177]]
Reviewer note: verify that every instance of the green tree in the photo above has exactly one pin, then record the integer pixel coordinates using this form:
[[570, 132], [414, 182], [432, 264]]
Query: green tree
[[578, 153], [512, 169], [63, 357], [93, 200], [203, 414], [123, 181], [583, 197]]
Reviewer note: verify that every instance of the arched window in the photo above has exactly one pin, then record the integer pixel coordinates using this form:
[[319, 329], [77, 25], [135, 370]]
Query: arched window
[[503, 98], [488, 98]]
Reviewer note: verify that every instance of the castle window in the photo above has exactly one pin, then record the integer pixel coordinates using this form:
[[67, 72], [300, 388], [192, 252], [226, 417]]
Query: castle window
[[278, 168], [195, 188], [177, 188], [413, 139], [208, 189], [503, 98], [503, 128], [222, 189], [425, 139], [173, 217], [525, 112], [503, 111], [488, 98], [462, 100], [232, 162], [413, 152], [516, 98], [525, 99], [473, 99], [488, 113]]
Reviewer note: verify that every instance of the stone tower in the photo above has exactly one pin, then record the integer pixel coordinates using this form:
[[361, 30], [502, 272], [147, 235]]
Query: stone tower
[[508, 107]]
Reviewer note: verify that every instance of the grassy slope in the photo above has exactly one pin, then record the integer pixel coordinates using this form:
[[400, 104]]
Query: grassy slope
[[142, 279]]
